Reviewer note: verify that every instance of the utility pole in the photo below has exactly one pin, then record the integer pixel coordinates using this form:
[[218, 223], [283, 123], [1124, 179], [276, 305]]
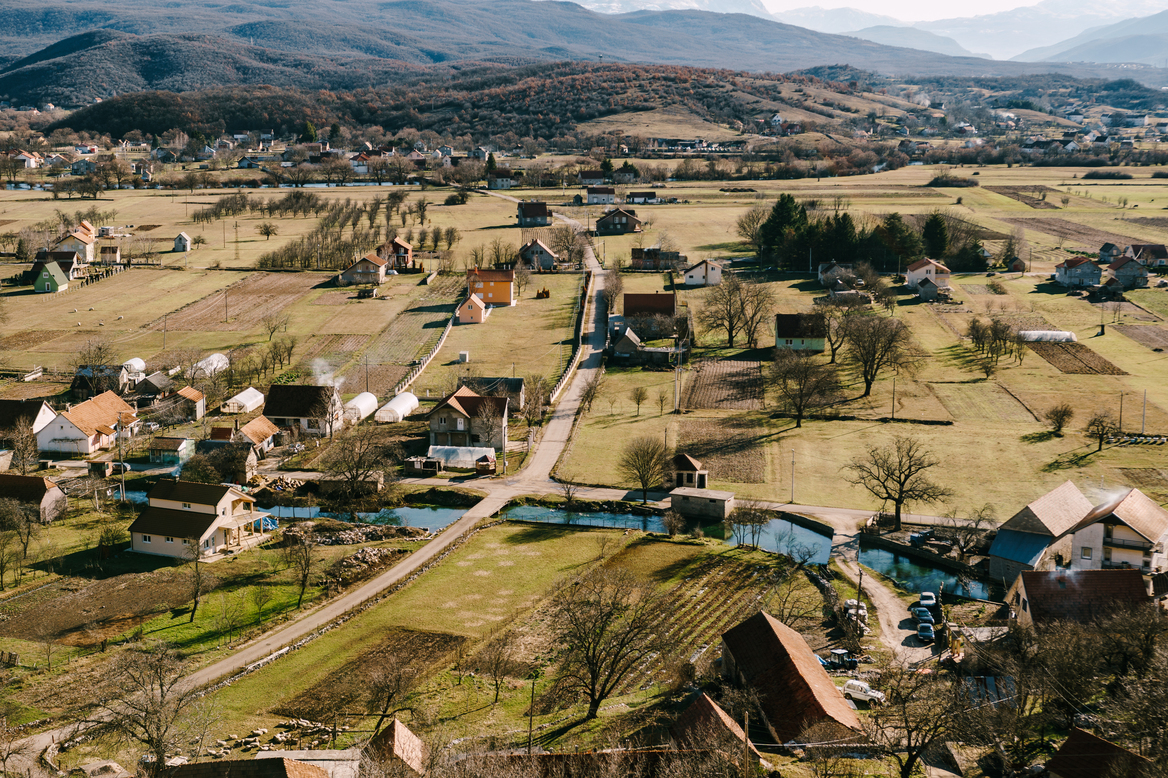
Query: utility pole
[[121, 458], [1144, 415], [224, 306], [530, 715], [792, 476], [164, 330], [894, 396], [1121, 411]]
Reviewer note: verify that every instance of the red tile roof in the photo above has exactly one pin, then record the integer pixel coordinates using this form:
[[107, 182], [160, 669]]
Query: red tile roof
[[1053, 513], [1083, 755], [649, 304], [794, 690], [1081, 595], [467, 402], [490, 275], [705, 721], [921, 264]]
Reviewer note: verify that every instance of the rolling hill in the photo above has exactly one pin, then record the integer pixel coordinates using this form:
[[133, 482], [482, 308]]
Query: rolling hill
[[913, 38]]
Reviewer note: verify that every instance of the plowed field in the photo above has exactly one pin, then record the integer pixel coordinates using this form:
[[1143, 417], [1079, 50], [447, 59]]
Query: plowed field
[[248, 302], [1074, 358], [1146, 335], [729, 450], [725, 384]]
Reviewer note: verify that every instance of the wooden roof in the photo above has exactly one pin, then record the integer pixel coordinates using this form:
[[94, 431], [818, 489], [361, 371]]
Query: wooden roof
[[1081, 595], [1084, 755], [1134, 509], [1053, 514]]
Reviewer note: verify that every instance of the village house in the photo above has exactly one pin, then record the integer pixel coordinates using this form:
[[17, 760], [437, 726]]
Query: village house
[[82, 167], [171, 451], [1082, 596], [532, 213], [688, 471], [91, 380], [192, 403], [17, 416], [654, 258], [110, 255], [1109, 252], [1128, 273], [69, 262], [794, 691], [236, 462], [1035, 538], [514, 389], [260, 432], [536, 254], [494, 287], [396, 748], [1077, 273], [183, 242], [618, 221], [29, 159], [313, 409], [88, 427], [627, 345], [49, 278], [704, 273], [369, 269], [641, 198], [831, 272], [591, 178], [35, 490], [704, 721], [472, 310], [930, 292], [500, 179], [926, 268], [1129, 531], [1086, 755], [468, 419], [637, 304], [1148, 254], [152, 389], [799, 332], [185, 518], [601, 195], [80, 241], [399, 253]]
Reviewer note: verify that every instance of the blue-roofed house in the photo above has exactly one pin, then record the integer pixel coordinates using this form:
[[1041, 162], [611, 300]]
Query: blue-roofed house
[[1038, 536]]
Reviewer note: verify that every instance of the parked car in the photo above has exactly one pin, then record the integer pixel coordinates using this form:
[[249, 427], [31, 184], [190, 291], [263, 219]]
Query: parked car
[[928, 600], [925, 632], [120, 467], [922, 616], [860, 690], [150, 426], [920, 538]]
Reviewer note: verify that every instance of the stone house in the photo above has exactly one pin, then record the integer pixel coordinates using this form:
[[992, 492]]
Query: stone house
[[468, 419]]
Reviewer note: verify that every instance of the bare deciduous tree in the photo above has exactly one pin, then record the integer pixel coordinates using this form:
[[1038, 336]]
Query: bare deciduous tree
[[1100, 427], [876, 344], [300, 553], [736, 307], [639, 395], [496, 659], [390, 683], [363, 457], [608, 626], [917, 715], [274, 322], [896, 474], [748, 227], [803, 383], [642, 462], [591, 389]]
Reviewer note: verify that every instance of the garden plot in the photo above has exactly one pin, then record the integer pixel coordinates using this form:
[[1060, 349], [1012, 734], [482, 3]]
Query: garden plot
[[726, 384], [975, 289], [1087, 238], [1074, 358], [729, 448], [329, 347], [247, 303], [347, 688], [983, 402], [1155, 338], [378, 379]]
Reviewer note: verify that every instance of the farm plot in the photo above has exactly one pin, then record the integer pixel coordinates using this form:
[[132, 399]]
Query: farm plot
[[1087, 238], [1074, 358], [378, 379], [347, 687], [731, 449], [1155, 338], [1027, 195], [1149, 479], [332, 346], [81, 613], [975, 289], [725, 384], [28, 340], [247, 303], [981, 402], [717, 593], [415, 331]]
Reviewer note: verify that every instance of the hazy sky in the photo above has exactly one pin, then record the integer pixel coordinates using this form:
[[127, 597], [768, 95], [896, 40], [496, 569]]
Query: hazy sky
[[906, 10]]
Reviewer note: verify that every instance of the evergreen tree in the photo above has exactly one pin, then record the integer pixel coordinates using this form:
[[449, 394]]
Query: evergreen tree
[[968, 259], [22, 252], [334, 131], [606, 167], [308, 134], [785, 225], [899, 238], [491, 164], [631, 169], [936, 236]]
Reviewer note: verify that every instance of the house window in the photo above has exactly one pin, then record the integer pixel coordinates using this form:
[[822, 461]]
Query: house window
[[490, 294], [475, 438], [186, 506], [145, 538], [169, 540], [1085, 552]]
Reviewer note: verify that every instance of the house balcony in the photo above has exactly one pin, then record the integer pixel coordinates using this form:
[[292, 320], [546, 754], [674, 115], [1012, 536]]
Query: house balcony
[[1110, 565], [1124, 543]]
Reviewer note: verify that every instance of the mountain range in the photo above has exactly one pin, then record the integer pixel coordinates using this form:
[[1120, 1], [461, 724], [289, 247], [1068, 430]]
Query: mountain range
[[1143, 40]]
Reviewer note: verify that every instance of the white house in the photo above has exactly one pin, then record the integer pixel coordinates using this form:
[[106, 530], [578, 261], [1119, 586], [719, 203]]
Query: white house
[[1130, 531], [601, 195], [1077, 272], [704, 273], [87, 427], [80, 241], [183, 516], [926, 268], [182, 242], [314, 409]]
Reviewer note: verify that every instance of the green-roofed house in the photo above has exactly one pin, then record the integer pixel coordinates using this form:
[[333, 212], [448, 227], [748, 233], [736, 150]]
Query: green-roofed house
[[51, 278]]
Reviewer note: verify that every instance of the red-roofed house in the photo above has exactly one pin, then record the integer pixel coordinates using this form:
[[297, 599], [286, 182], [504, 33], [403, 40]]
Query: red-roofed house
[[794, 691], [192, 402], [369, 269], [1077, 272], [636, 304], [472, 310], [87, 427], [926, 268], [35, 490], [494, 287], [399, 253], [1074, 595], [1129, 273], [1083, 755], [462, 419]]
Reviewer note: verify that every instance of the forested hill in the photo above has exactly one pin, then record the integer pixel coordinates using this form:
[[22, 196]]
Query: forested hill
[[339, 44]]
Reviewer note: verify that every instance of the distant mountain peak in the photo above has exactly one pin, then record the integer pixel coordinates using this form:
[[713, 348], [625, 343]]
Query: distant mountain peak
[[835, 20]]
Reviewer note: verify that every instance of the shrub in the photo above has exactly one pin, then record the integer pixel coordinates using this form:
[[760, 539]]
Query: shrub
[[947, 180], [1107, 174]]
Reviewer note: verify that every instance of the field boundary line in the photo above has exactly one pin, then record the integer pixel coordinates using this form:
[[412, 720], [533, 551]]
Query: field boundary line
[[1019, 400], [412, 376]]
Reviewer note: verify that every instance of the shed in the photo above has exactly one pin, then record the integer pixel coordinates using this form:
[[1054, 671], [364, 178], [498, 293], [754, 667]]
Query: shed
[[50, 279], [245, 402], [213, 365], [182, 242], [1047, 336], [360, 407], [171, 451], [398, 408], [702, 503]]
